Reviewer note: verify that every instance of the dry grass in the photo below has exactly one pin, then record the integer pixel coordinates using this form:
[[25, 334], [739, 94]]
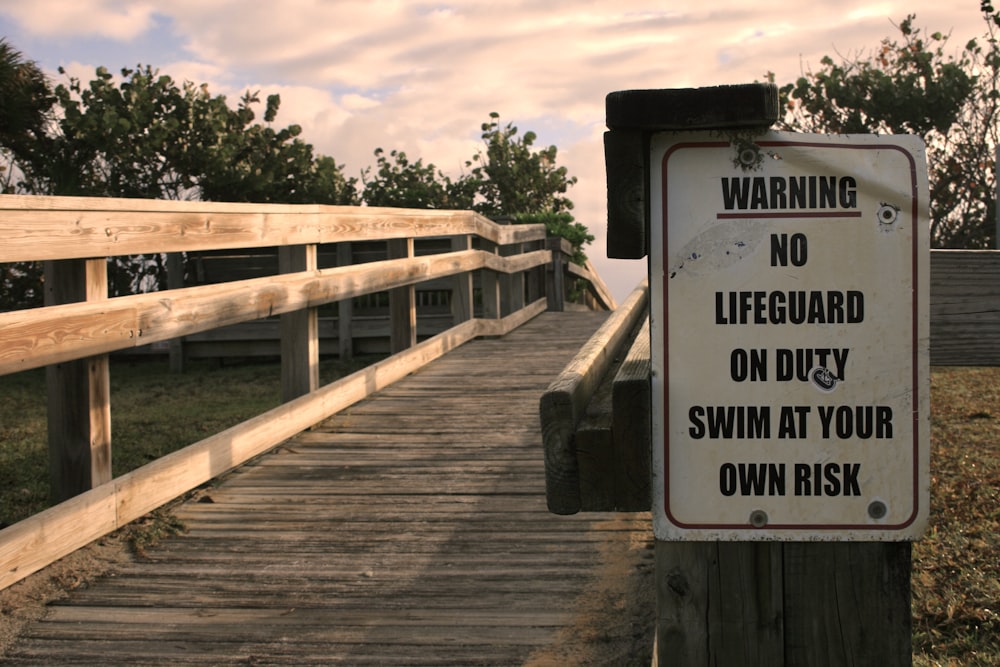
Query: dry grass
[[956, 567]]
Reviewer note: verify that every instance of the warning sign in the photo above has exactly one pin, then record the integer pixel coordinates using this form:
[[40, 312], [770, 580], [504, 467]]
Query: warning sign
[[789, 283]]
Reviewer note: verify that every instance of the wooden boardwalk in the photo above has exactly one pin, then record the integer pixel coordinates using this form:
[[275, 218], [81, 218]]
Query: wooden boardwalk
[[410, 529]]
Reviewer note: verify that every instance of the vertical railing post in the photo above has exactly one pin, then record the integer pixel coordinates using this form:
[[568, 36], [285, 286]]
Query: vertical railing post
[[402, 303], [461, 291], [79, 391], [345, 308], [491, 287], [535, 278], [299, 331], [555, 288]]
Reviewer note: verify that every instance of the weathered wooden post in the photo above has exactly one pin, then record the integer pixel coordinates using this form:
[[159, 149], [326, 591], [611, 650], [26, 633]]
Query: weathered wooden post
[[79, 391], [790, 386], [402, 303], [299, 331]]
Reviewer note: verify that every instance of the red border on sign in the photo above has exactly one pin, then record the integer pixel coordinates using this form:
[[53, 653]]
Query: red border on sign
[[914, 338]]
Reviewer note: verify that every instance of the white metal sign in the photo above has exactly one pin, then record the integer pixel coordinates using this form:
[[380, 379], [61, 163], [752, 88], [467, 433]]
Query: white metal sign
[[789, 292]]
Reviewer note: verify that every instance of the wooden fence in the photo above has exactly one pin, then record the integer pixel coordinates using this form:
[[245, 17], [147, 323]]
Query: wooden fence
[[73, 334]]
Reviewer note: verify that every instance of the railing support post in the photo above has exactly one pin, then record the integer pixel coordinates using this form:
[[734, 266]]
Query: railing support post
[[556, 283], [79, 391], [491, 288], [299, 331], [461, 291], [345, 308], [402, 304]]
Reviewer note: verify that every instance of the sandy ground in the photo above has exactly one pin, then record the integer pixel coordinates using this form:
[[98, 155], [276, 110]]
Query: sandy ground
[[613, 622], [26, 601]]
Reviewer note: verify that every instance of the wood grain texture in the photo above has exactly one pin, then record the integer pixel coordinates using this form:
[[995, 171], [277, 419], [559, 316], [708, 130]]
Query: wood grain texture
[[41, 228], [563, 404], [162, 480], [632, 427], [628, 197], [751, 105], [965, 307], [389, 534], [43, 336]]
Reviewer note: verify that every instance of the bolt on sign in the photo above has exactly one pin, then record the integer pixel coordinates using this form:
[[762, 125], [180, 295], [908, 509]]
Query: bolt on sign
[[789, 292]]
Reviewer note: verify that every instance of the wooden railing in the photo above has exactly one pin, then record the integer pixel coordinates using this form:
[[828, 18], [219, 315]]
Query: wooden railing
[[73, 334]]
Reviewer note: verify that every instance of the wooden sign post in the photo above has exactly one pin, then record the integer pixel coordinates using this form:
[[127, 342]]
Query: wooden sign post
[[790, 382]]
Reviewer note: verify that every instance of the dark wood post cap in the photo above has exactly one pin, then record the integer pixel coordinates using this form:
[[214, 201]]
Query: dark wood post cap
[[715, 107]]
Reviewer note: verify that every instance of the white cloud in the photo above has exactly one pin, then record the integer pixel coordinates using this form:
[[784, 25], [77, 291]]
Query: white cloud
[[114, 19], [421, 76]]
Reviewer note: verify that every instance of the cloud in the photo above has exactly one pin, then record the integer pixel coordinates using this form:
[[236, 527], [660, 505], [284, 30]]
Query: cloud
[[114, 19], [421, 76]]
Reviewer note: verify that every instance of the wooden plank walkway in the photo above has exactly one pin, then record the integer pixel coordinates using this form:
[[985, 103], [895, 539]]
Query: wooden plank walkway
[[410, 529]]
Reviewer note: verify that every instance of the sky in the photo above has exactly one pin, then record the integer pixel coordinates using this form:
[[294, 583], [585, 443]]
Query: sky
[[421, 77]]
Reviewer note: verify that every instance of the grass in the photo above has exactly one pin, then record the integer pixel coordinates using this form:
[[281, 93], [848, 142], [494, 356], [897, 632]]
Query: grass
[[153, 412], [956, 567]]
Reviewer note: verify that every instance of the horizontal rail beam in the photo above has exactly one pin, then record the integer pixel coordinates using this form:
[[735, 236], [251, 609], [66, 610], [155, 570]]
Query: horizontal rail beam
[[42, 228], [54, 334]]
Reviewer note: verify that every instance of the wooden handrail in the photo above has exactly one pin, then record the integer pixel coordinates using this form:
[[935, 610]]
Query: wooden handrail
[[73, 334], [44, 228], [563, 404], [53, 334]]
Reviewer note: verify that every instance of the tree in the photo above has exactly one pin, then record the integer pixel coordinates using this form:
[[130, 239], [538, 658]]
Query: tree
[[404, 184], [143, 135], [247, 162], [25, 99], [911, 86], [512, 178], [507, 179]]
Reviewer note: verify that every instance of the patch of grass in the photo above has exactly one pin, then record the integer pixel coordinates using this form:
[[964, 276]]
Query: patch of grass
[[956, 567], [153, 412]]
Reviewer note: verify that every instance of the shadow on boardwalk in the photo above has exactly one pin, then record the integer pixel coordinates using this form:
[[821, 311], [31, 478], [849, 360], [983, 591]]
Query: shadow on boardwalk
[[410, 529]]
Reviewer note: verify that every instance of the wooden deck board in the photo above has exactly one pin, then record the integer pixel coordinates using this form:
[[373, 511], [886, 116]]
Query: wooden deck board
[[410, 529]]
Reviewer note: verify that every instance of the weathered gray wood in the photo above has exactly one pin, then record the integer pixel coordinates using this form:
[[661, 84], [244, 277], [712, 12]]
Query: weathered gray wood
[[847, 603], [402, 304], [720, 603], [751, 105], [595, 454], [79, 391], [632, 427], [318, 554], [555, 283], [130, 496], [38, 228], [563, 404], [34, 338], [461, 292], [299, 331], [965, 307], [345, 308], [490, 286], [625, 158]]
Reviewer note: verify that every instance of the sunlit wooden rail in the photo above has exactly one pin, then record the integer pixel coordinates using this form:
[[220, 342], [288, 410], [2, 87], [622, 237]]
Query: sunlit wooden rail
[[410, 528], [79, 326]]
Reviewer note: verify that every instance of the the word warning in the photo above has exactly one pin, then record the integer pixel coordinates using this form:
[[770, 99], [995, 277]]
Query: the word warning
[[789, 290]]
